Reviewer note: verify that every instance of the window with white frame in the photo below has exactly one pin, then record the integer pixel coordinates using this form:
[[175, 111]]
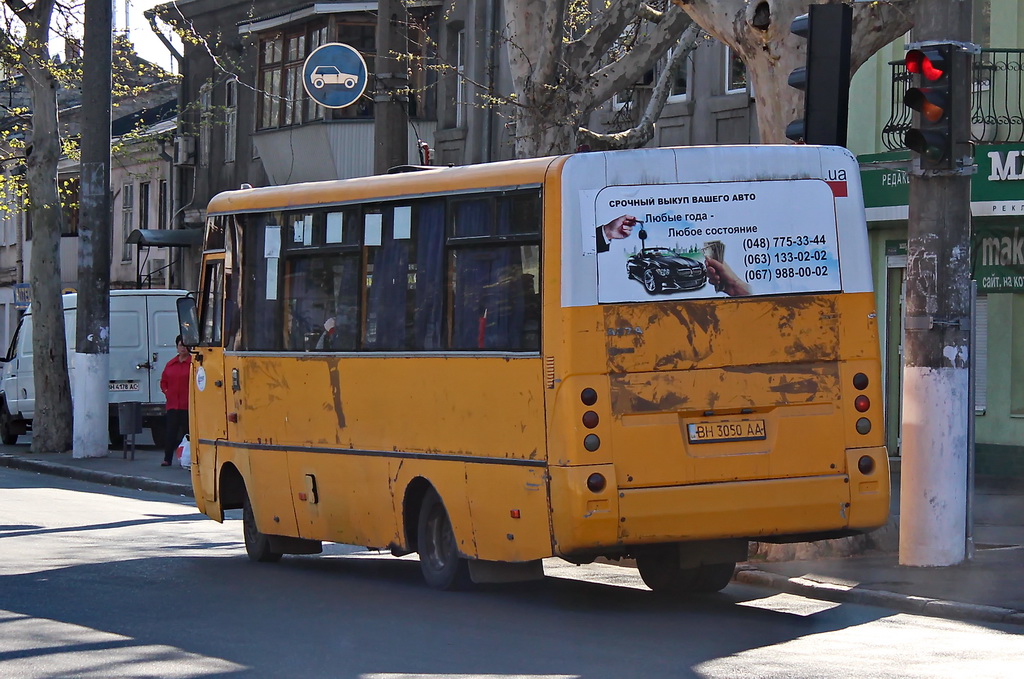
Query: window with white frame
[[163, 200], [230, 119], [679, 85], [735, 72], [144, 191], [127, 220]]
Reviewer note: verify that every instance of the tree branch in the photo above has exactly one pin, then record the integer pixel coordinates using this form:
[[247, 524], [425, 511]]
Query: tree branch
[[643, 131], [621, 73], [586, 52]]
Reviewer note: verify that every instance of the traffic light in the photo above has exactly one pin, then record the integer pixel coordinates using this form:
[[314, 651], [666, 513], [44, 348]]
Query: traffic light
[[825, 80], [932, 68]]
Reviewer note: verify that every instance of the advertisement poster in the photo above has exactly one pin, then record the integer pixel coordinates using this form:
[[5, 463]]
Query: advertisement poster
[[695, 241]]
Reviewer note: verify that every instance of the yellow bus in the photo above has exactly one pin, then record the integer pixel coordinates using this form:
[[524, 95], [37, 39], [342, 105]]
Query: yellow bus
[[655, 354]]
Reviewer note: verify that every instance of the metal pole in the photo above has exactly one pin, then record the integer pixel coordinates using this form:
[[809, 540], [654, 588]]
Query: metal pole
[[92, 347], [971, 405], [936, 378]]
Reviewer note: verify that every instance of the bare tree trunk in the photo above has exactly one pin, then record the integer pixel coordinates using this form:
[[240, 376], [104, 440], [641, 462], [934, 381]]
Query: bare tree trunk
[[52, 425]]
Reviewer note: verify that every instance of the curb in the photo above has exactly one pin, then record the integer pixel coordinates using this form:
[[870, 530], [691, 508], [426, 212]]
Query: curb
[[907, 603], [95, 476]]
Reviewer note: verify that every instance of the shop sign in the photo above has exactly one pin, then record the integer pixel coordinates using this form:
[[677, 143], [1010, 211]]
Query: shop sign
[[996, 188], [999, 258]]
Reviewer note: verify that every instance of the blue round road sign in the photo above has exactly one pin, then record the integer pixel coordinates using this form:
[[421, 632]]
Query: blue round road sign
[[334, 75]]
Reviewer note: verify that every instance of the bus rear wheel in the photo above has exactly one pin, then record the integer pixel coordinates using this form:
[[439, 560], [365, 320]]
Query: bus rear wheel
[[257, 544], [713, 577], [661, 571], [440, 562]]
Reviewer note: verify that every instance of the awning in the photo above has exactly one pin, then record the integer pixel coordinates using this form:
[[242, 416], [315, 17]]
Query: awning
[[166, 238]]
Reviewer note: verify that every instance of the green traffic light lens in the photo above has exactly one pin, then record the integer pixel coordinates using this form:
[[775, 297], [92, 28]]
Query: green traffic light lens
[[931, 145]]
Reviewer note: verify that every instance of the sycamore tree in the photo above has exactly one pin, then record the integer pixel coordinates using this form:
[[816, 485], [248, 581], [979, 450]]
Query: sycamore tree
[[569, 57], [24, 41], [759, 32]]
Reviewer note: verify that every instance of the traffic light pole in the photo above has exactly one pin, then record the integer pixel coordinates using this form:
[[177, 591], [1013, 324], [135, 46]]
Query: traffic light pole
[[935, 440]]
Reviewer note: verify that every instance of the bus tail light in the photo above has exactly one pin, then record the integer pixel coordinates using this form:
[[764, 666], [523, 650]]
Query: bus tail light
[[860, 381], [590, 419], [866, 464], [862, 403], [863, 425], [596, 482], [592, 442]]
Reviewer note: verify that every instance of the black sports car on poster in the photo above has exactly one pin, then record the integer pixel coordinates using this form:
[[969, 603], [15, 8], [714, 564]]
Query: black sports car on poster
[[661, 270]]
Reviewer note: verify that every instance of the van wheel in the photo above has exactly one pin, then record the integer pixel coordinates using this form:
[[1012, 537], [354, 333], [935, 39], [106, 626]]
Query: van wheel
[[257, 544], [440, 562], [660, 570], [8, 437]]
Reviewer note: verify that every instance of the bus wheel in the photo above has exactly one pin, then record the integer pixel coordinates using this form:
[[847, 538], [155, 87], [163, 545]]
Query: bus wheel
[[713, 577], [660, 570], [440, 562], [257, 544]]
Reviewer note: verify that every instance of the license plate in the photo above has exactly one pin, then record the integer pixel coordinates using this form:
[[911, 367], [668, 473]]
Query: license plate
[[717, 432]]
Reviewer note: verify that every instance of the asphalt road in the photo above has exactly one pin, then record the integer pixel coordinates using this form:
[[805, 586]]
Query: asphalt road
[[101, 582]]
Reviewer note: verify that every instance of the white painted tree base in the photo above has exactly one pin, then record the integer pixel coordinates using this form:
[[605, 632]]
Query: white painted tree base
[[89, 394], [933, 480]]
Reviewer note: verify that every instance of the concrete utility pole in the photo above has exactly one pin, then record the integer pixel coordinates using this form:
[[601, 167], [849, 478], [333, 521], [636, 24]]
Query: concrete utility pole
[[935, 371], [92, 348], [391, 109]]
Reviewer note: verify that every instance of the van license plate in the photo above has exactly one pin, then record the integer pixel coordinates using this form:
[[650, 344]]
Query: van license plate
[[716, 432]]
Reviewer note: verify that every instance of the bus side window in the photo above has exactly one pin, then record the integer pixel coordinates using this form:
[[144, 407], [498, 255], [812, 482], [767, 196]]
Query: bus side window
[[494, 292], [211, 320]]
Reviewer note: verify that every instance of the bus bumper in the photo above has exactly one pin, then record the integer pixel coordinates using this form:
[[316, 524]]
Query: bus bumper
[[587, 521]]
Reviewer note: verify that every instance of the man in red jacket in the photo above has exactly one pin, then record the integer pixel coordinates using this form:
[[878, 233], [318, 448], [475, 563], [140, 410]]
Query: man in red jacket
[[174, 384]]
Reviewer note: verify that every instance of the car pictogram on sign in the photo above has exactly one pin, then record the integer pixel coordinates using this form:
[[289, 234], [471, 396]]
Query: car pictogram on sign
[[332, 75]]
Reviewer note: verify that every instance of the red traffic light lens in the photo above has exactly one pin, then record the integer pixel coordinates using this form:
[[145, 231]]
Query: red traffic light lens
[[930, 66]]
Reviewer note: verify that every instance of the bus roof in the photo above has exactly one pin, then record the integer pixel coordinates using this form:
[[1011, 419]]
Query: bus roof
[[440, 180]]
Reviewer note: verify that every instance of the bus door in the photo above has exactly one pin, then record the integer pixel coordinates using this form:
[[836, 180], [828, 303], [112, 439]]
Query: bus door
[[209, 405]]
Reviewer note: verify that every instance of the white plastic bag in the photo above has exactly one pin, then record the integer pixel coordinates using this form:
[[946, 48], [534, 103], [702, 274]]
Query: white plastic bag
[[184, 453]]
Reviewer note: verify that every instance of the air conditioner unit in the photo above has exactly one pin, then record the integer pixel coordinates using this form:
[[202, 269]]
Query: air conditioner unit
[[185, 150]]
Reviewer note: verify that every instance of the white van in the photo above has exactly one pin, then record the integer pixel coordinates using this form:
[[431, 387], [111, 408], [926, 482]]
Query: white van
[[143, 325]]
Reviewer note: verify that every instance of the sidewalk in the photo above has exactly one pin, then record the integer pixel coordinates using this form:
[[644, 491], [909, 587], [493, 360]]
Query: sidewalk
[[988, 588]]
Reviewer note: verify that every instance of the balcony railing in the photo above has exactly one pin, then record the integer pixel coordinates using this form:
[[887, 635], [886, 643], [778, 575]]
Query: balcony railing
[[997, 114]]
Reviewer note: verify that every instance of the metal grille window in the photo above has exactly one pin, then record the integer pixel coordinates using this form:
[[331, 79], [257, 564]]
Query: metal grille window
[[230, 119], [205, 123]]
